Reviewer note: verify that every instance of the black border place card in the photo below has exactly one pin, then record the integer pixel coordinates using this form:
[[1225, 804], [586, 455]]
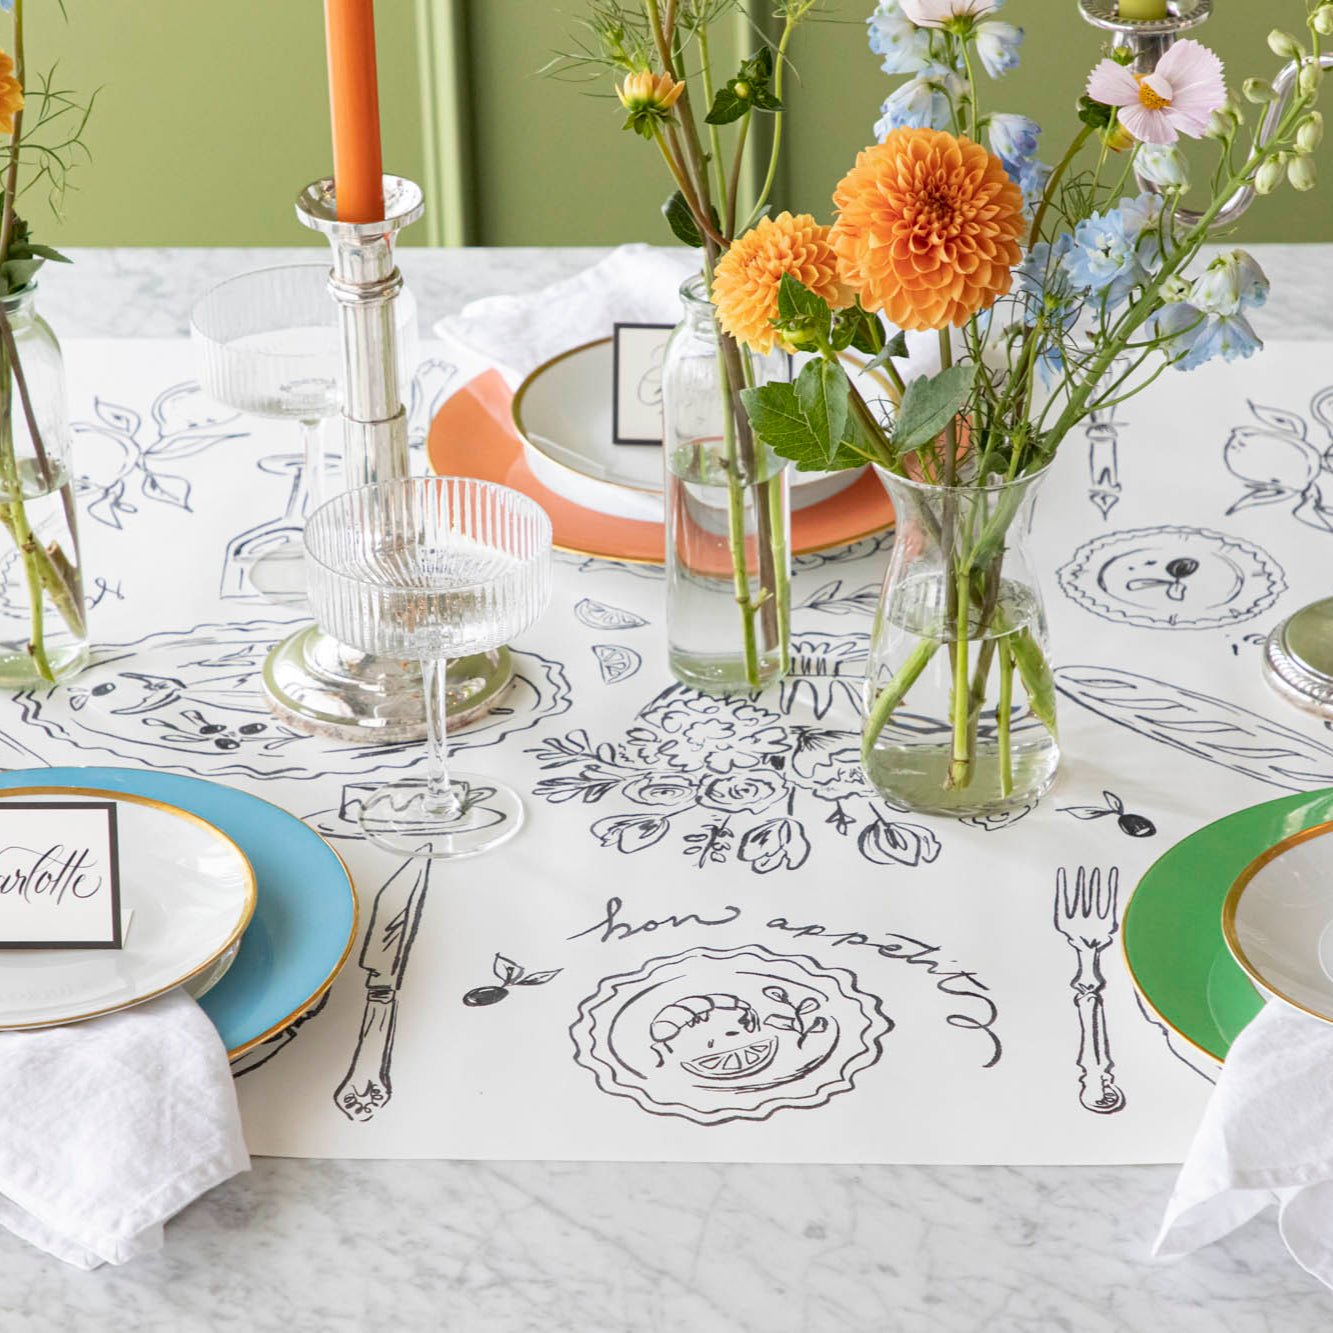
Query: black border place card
[[636, 382], [59, 875]]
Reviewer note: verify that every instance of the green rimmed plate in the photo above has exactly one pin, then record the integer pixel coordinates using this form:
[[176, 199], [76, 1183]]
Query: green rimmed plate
[[1172, 928]]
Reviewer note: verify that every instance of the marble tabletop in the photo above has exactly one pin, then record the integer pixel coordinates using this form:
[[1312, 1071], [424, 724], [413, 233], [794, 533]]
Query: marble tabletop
[[507, 1247]]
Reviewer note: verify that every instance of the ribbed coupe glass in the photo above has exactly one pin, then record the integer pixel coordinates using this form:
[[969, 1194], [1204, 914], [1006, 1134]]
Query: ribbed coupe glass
[[431, 568]]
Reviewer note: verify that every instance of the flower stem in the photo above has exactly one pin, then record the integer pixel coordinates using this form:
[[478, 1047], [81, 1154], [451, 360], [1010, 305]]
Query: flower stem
[[1002, 710], [893, 694]]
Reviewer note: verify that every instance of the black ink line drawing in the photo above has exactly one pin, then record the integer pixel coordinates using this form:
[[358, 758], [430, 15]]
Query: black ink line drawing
[[394, 918], [119, 449], [431, 385], [719, 1035], [102, 589], [1172, 578], [1102, 431], [1136, 826], [595, 564], [1200, 725], [989, 823], [598, 615], [1086, 917], [508, 973], [1279, 462], [616, 662], [283, 530], [830, 598], [260, 1055], [878, 544], [190, 700], [733, 769]]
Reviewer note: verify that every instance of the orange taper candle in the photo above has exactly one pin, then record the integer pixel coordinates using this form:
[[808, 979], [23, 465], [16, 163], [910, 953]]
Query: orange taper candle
[[354, 107]]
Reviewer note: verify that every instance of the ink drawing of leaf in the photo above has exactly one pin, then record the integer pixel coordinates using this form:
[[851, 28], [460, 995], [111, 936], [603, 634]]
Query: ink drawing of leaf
[[780, 1021], [540, 978], [506, 969], [1275, 417], [1087, 811], [117, 417]]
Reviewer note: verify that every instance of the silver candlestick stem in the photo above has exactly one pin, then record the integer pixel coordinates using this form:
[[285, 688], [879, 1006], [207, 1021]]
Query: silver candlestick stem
[[1298, 656], [310, 680]]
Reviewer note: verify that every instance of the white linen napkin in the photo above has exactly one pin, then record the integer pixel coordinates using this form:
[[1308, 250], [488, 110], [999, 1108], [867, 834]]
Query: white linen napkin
[[112, 1126], [1266, 1138], [634, 284]]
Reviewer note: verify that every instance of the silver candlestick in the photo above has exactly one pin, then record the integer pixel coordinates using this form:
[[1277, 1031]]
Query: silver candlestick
[[310, 680], [1298, 656]]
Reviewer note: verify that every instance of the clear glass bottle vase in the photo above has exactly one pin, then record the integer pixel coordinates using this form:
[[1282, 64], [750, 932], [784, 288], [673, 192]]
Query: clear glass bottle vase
[[959, 699], [728, 522], [43, 616]]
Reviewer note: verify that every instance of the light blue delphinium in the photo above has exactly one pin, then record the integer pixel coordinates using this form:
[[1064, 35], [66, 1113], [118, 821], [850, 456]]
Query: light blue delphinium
[[997, 45], [1012, 137], [1191, 336], [1162, 165], [1104, 257], [920, 103], [1141, 217], [1230, 284], [1049, 295], [904, 46], [1030, 176]]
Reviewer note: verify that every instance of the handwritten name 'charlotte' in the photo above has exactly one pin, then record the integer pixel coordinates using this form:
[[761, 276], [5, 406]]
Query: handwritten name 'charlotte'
[[50, 874]]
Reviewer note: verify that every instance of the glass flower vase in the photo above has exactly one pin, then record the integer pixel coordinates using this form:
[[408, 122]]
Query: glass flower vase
[[43, 617], [728, 522], [959, 699]]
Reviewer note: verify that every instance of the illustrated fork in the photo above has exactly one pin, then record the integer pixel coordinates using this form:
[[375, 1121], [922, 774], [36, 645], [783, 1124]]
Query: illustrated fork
[[1086, 917]]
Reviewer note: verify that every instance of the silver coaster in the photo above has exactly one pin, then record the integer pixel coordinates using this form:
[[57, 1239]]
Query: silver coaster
[[1298, 658]]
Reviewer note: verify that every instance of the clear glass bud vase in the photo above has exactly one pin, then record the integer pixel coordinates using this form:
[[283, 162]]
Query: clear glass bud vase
[[959, 699], [728, 524], [43, 618]]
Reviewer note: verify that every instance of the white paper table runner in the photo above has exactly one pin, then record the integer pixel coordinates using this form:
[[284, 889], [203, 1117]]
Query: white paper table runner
[[711, 941]]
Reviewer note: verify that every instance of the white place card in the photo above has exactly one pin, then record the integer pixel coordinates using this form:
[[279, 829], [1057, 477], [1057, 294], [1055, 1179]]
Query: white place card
[[636, 388], [59, 875]]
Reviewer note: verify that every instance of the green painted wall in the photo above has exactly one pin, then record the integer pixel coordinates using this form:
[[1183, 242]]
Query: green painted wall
[[211, 116]]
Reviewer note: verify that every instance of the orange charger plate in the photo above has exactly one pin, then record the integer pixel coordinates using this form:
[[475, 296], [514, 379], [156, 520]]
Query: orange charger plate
[[473, 436]]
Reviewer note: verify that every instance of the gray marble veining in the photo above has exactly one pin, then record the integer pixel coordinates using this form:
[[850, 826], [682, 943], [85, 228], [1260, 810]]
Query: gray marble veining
[[482, 1247]]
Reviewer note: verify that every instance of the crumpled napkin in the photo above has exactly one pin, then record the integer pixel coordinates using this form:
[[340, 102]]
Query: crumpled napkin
[[1266, 1138], [634, 284], [112, 1126]]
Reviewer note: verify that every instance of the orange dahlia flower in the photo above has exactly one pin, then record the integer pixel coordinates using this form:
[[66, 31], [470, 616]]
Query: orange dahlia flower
[[747, 277], [11, 94], [928, 228]]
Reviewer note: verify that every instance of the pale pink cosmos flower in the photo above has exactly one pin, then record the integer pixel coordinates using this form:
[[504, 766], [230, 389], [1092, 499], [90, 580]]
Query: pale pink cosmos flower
[[1176, 98], [936, 13]]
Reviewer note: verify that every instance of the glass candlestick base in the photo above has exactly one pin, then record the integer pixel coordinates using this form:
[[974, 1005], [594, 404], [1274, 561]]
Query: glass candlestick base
[[321, 688], [1298, 659], [479, 814]]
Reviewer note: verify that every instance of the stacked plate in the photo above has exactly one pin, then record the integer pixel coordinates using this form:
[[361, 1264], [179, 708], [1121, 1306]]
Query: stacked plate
[[1238, 912], [604, 498], [221, 892]]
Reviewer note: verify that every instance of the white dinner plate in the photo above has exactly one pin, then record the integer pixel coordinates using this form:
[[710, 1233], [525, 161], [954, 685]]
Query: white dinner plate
[[188, 892], [1278, 921], [562, 412]]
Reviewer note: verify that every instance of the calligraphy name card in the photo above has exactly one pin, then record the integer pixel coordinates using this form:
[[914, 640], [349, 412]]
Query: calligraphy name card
[[636, 389], [59, 875]]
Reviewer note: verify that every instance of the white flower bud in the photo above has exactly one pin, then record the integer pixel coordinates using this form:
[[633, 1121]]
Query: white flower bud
[[1258, 91], [1310, 132], [1310, 74], [1285, 45], [1322, 22], [1221, 125], [1268, 177], [1175, 288], [1301, 173]]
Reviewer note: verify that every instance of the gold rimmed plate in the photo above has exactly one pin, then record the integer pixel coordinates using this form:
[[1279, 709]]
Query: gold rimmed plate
[[187, 892], [305, 914], [1277, 920]]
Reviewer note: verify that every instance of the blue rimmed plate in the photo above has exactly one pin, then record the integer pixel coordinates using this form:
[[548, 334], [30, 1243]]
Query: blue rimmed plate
[[305, 915]]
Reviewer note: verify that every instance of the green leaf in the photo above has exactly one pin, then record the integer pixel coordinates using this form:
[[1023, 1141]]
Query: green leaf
[[895, 347], [764, 99], [929, 405], [1097, 115], [821, 393], [759, 68], [727, 106], [49, 252], [799, 307], [778, 418], [681, 220]]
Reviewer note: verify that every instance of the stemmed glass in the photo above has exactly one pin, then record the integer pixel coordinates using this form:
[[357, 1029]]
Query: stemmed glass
[[269, 344], [431, 568]]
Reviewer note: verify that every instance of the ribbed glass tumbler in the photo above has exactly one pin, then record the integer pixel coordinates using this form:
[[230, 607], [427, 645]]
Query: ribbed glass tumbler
[[431, 568]]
